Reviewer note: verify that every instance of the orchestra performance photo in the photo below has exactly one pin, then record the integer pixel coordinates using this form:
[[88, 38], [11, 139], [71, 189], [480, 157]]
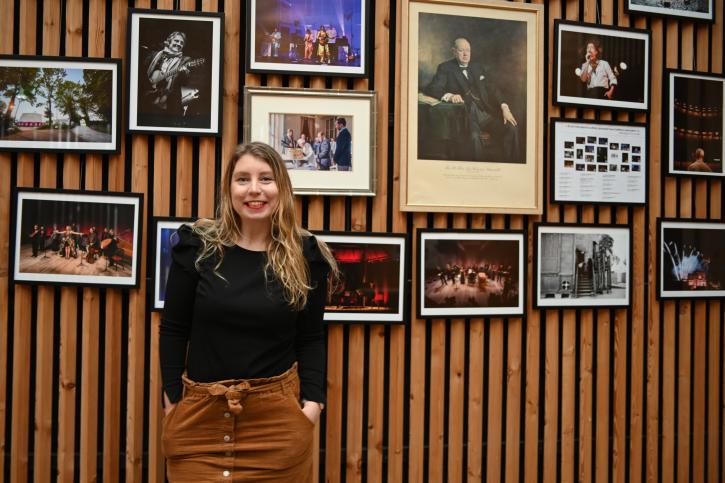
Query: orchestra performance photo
[[371, 288], [313, 36], [64, 238], [471, 274]]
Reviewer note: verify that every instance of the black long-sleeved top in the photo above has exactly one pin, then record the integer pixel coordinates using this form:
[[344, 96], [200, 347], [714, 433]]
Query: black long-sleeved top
[[241, 328]]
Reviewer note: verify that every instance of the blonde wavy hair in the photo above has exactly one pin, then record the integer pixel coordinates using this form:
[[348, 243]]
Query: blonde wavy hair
[[284, 255]]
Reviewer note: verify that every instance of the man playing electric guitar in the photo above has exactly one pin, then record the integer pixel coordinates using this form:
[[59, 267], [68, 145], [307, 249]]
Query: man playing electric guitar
[[167, 71]]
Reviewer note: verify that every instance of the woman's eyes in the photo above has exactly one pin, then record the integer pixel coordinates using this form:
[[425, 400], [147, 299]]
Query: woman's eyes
[[262, 179]]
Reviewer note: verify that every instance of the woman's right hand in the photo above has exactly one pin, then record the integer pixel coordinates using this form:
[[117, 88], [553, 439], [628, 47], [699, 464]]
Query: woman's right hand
[[168, 405]]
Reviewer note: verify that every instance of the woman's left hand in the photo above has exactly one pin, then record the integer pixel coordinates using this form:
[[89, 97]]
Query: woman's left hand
[[312, 411]]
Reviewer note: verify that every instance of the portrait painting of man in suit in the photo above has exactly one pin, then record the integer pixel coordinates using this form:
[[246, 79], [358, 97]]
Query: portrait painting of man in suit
[[472, 89]]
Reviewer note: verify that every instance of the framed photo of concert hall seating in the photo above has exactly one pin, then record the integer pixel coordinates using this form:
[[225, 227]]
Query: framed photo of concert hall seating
[[694, 124], [471, 273], [174, 72], [601, 66], [374, 277], [697, 10], [690, 259], [598, 162], [60, 104], [582, 265], [471, 106], [314, 37], [164, 240], [325, 137], [70, 237]]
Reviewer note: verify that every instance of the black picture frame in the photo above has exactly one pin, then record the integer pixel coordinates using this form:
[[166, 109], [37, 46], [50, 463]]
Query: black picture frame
[[559, 280], [89, 90], [693, 118], [292, 43], [384, 257], [161, 256], [471, 296], [632, 62], [641, 8], [71, 258], [690, 259], [183, 95], [626, 159]]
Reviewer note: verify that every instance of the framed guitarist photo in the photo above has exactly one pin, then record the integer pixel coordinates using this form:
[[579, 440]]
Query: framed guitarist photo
[[174, 73]]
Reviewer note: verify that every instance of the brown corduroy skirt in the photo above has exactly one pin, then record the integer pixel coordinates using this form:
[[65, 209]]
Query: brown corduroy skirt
[[239, 430]]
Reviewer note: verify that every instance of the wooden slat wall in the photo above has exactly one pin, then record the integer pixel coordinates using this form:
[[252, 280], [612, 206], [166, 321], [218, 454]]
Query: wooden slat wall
[[559, 395]]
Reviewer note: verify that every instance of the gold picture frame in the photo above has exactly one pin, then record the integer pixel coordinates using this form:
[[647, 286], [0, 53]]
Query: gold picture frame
[[455, 155]]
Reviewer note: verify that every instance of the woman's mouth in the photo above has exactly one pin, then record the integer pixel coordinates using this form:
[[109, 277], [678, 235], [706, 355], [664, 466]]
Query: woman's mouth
[[255, 205]]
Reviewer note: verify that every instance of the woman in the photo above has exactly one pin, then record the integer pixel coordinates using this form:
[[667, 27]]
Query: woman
[[245, 296], [596, 73], [309, 44]]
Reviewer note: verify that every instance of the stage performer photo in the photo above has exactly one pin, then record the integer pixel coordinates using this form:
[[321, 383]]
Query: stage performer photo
[[242, 338]]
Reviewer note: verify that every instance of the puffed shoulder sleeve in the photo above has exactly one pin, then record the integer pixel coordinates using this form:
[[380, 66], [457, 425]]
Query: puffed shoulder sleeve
[[186, 248], [314, 256]]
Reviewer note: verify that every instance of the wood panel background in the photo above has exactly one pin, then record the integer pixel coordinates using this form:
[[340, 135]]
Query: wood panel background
[[559, 395]]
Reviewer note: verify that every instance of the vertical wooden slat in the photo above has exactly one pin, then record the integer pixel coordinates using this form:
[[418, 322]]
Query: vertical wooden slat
[[714, 402], [418, 335], [513, 400], [355, 399], [6, 46], [436, 389], [475, 400], [112, 386]]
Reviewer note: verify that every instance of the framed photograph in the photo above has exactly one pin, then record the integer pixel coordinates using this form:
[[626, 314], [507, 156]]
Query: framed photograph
[[64, 104], [76, 237], [308, 38], [694, 123], [175, 72], [325, 137], [697, 10], [598, 66], [583, 265], [471, 107], [690, 259], [374, 277], [579, 148], [471, 273], [164, 240]]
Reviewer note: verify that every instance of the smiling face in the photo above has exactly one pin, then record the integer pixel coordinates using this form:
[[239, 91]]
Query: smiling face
[[176, 44], [254, 191]]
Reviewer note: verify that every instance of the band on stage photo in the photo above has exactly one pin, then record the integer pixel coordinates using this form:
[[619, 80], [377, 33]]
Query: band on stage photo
[[310, 32]]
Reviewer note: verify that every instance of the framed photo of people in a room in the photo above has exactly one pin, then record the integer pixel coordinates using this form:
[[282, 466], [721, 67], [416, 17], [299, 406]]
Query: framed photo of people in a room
[[314, 37], [175, 72], [690, 259], [373, 284], [326, 138], [697, 10], [585, 265], [598, 162], [471, 112], [164, 240], [76, 237], [694, 124], [471, 273], [601, 67], [61, 104]]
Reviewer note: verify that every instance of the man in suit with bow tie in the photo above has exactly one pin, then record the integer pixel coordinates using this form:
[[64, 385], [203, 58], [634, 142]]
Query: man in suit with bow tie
[[461, 81]]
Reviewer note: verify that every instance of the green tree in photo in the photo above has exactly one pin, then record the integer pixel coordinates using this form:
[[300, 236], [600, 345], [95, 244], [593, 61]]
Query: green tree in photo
[[67, 97], [17, 84], [98, 84], [50, 80]]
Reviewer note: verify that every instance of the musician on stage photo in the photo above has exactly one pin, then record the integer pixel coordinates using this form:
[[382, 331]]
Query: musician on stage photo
[[167, 71]]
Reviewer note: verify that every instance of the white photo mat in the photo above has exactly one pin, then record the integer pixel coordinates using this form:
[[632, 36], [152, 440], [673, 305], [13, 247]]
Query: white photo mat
[[262, 103]]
